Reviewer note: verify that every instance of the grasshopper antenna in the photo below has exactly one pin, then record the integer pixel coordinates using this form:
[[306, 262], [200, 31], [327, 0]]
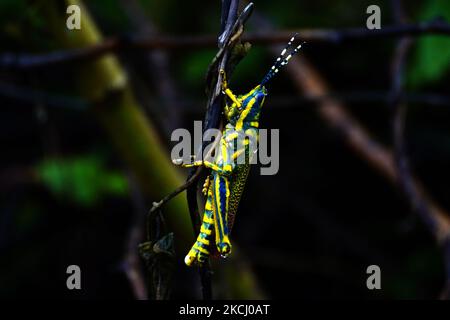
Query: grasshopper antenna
[[282, 60]]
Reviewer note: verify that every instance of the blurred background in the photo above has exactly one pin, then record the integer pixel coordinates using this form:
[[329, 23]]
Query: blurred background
[[86, 149]]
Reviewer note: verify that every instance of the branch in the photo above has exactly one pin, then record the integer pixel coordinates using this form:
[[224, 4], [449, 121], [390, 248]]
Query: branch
[[232, 27], [28, 96], [131, 261], [19, 62], [405, 179], [156, 68], [308, 80], [158, 205], [104, 85], [333, 112]]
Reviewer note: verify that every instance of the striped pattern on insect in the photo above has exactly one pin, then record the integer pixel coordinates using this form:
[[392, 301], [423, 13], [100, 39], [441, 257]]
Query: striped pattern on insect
[[224, 187]]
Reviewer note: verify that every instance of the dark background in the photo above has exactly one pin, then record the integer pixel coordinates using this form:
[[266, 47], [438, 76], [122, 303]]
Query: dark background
[[308, 232]]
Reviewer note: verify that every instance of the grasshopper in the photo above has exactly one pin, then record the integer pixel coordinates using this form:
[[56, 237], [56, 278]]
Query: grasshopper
[[224, 187]]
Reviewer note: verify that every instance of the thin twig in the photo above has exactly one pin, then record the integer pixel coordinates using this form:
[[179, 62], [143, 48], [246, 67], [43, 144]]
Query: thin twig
[[307, 79], [156, 67], [157, 205], [290, 103], [23, 61], [25, 95], [404, 175], [131, 261], [29, 95], [405, 178], [190, 181]]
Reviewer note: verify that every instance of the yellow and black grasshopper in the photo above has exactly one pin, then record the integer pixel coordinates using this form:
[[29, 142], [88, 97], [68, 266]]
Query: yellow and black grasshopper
[[224, 187]]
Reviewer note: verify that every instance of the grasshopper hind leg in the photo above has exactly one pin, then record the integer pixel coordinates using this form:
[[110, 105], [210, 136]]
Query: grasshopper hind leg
[[221, 192], [200, 250]]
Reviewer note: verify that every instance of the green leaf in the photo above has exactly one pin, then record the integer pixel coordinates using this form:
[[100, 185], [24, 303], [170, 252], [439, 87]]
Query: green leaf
[[431, 60], [84, 180]]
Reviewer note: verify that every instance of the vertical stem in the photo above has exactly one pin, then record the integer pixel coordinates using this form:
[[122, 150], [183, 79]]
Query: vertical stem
[[212, 120], [104, 84]]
